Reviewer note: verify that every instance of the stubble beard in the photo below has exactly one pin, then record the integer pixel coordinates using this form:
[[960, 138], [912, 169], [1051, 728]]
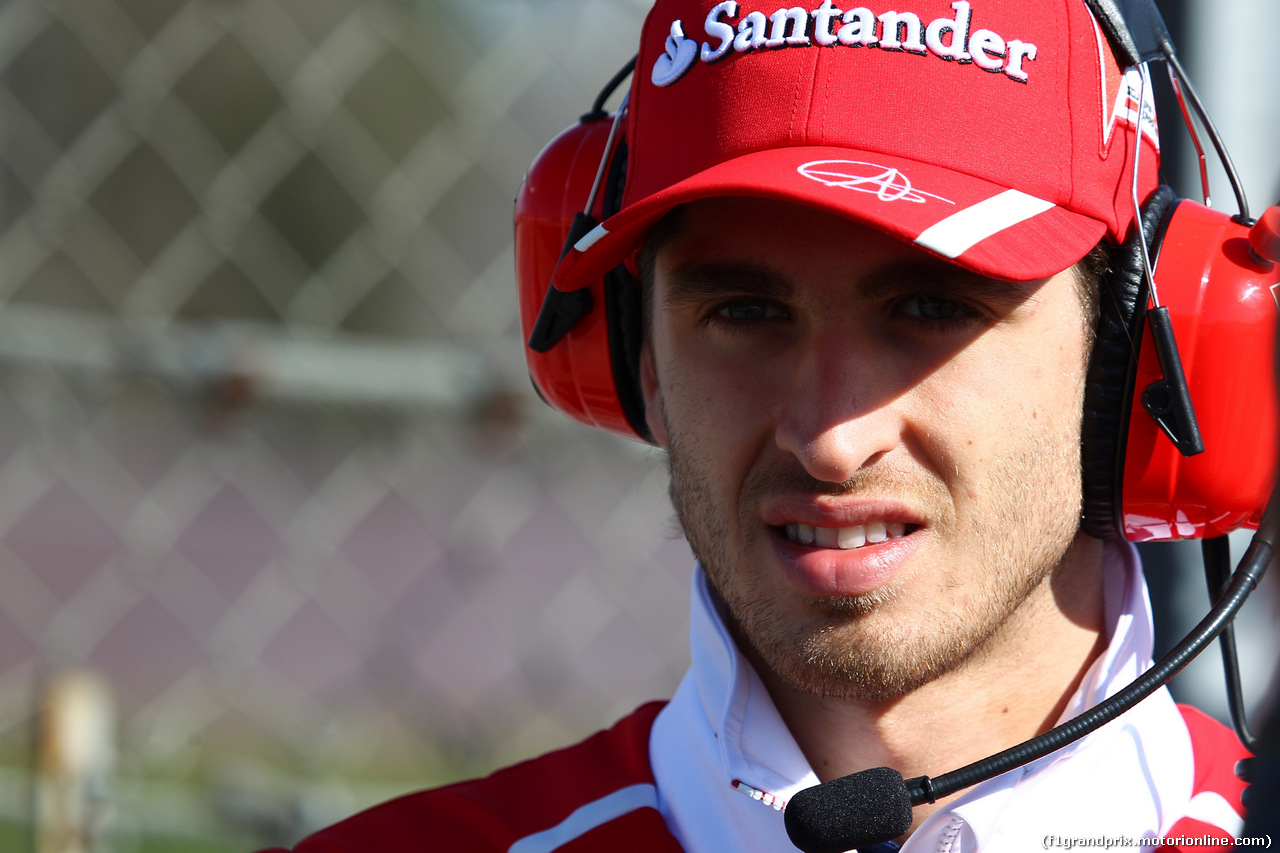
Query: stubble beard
[[883, 645]]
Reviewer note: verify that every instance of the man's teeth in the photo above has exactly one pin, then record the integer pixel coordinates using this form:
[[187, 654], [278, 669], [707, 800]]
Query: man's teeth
[[846, 537]]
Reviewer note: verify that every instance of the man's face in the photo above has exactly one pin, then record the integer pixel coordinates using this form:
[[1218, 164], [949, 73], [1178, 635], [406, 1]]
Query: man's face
[[874, 454]]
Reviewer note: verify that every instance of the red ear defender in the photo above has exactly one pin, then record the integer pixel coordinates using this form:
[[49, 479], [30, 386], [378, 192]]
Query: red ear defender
[[1222, 301], [577, 374]]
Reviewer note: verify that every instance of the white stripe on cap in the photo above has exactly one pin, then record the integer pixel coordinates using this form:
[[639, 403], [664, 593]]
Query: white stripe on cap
[[960, 231], [590, 238]]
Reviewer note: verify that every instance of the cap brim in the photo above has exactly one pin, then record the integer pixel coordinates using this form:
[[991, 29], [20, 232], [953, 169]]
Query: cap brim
[[992, 230]]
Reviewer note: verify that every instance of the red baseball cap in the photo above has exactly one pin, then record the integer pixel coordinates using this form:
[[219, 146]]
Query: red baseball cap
[[998, 134]]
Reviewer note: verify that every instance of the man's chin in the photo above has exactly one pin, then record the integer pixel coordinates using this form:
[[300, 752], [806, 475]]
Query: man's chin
[[851, 658], [863, 682], [846, 607]]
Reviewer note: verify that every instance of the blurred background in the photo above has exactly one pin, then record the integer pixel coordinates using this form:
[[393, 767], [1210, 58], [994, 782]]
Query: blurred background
[[284, 530]]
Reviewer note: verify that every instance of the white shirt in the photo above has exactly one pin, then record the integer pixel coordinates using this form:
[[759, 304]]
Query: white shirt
[[1132, 777]]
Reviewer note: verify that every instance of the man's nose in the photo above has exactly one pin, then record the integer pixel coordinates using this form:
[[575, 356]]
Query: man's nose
[[840, 414]]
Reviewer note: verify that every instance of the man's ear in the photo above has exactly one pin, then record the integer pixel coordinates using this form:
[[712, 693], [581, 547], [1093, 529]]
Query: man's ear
[[653, 413]]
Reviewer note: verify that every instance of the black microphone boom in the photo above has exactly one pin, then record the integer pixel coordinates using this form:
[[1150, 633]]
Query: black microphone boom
[[866, 808]]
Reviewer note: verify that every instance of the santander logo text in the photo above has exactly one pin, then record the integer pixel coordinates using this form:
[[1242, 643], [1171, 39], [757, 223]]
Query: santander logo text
[[950, 38]]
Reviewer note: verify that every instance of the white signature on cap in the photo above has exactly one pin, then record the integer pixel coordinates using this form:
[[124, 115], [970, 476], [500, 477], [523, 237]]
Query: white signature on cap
[[887, 183]]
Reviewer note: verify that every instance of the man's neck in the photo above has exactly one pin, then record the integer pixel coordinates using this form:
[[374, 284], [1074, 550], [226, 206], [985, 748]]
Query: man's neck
[[1039, 658]]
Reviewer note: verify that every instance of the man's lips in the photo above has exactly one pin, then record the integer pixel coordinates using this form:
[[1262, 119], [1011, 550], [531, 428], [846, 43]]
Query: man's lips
[[841, 513], [846, 538], [838, 546]]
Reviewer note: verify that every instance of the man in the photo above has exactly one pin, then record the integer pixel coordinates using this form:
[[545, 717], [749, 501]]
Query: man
[[866, 245]]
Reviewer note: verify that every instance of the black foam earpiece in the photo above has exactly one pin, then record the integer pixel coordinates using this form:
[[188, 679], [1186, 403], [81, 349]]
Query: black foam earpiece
[[1109, 382]]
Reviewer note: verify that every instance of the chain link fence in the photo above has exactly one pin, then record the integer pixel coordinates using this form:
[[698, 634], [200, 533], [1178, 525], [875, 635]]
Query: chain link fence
[[269, 461], [270, 466]]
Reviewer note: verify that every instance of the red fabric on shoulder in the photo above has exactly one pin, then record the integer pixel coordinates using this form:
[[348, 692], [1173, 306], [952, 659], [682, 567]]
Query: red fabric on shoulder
[[1215, 750], [492, 813]]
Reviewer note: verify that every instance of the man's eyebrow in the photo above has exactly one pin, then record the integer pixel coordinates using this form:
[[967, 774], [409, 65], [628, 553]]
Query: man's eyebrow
[[943, 279], [699, 281]]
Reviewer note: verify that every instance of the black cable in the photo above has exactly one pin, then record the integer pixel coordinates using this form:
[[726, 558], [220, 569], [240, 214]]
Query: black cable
[[598, 112], [1237, 186], [1257, 558], [1217, 571]]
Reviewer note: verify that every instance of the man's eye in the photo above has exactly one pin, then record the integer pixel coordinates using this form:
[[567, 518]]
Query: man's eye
[[747, 312], [931, 308]]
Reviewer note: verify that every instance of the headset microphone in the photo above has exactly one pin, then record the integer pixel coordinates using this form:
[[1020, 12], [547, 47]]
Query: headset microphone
[[874, 805], [853, 811]]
